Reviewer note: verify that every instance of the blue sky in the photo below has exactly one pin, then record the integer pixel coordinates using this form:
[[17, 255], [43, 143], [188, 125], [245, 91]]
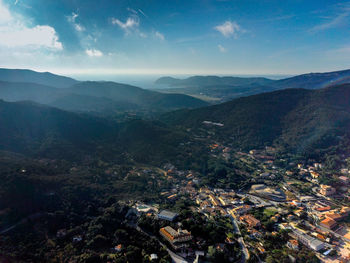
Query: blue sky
[[175, 37]]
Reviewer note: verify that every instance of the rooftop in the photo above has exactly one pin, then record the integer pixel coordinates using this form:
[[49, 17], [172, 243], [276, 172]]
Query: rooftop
[[329, 222], [166, 213]]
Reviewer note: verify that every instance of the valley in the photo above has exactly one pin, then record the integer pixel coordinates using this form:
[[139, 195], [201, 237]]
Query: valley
[[258, 178], [197, 131]]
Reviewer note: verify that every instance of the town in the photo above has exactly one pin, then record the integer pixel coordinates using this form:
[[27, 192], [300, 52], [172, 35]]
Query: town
[[283, 203]]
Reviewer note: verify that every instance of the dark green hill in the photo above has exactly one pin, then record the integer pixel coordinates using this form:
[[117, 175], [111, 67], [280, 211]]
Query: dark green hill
[[295, 118], [83, 103], [314, 80], [42, 131], [18, 91], [131, 94], [30, 128], [43, 78]]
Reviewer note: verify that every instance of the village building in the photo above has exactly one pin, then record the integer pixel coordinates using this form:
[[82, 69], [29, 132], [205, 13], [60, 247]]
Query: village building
[[118, 248], [214, 200], [329, 223], [344, 179], [250, 220], [307, 240], [327, 190], [178, 239], [167, 215], [293, 244]]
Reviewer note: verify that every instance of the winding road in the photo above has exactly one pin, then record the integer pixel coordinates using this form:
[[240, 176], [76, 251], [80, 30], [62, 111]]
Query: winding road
[[245, 254]]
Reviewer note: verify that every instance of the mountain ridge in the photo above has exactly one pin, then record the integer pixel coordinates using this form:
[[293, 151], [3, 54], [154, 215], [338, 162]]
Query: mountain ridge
[[31, 76], [99, 96], [219, 90], [293, 118]]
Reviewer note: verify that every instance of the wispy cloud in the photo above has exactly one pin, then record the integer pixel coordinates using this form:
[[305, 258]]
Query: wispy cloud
[[190, 39], [72, 19], [143, 13], [129, 25], [277, 18], [228, 29], [5, 15], [340, 18], [93, 53], [132, 10], [159, 35], [339, 53], [222, 49]]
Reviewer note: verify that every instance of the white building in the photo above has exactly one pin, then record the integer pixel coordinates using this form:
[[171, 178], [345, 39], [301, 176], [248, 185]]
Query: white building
[[167, 215]]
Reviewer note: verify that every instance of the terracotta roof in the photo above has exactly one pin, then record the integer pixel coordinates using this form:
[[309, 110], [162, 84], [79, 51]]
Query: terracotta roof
[[294, 242], [333, 216], [329, 222], [321, 209]]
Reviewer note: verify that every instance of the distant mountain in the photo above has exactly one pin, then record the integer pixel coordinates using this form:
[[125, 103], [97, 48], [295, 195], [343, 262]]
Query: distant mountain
[[297, 119], [62, 99], [221, 93], [98, 97], [222, 89], [314, 80], [43, 78], [212, 80], [144, 98]]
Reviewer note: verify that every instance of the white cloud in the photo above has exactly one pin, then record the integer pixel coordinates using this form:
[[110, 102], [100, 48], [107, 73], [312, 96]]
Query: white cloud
[[38, 36], [228, 29], [15, 34], [222, 49], [72, 19], [130, 24], [159, 35], [5, 15], [93, 53]]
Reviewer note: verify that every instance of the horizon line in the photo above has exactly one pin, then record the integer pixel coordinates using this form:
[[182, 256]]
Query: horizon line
[[163, 72]]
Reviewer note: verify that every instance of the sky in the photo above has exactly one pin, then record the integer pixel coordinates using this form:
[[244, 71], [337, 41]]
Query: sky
[[172, 37]]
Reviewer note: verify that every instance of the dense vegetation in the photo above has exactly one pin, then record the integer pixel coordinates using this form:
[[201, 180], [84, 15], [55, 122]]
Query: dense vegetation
[[293, 119], [42, 131]]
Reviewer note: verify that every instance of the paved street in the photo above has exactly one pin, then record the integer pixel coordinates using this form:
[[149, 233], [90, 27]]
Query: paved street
[[245, 254]]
